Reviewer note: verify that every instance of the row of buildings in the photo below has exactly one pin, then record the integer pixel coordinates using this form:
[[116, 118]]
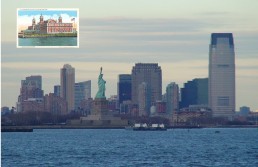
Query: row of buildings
[[140, 93]]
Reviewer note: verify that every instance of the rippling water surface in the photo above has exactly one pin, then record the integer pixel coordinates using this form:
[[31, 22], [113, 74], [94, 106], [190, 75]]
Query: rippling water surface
[[50, 41], [88, 147]]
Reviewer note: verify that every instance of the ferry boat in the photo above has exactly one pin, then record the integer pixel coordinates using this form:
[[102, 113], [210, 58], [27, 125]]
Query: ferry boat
[[145, 127]]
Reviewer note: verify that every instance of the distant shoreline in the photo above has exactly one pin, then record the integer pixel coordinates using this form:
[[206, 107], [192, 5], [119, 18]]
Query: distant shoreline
[[18, 128], [47, 35]]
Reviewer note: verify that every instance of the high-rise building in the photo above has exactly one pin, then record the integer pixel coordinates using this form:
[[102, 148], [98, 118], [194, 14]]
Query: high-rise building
[[55, 104], [144, 99], [82, 91], [195, 92], [124, 87], [31, 87], [222, 75], [67, 85], [172, 98], [151, 74], [35, 80], [57, 90]]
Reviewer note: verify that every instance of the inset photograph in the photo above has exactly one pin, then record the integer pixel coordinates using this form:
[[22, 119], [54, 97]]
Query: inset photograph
[[47, 28]]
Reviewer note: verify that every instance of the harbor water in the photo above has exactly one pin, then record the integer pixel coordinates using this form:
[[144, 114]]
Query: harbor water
[[48, 41], [121, 148]]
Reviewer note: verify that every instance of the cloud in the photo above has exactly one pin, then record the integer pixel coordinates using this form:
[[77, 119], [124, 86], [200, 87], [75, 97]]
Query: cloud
[[180, 46]]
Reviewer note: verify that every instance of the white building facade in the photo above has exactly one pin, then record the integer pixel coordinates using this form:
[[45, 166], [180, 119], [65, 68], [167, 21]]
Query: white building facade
[[222, 75]]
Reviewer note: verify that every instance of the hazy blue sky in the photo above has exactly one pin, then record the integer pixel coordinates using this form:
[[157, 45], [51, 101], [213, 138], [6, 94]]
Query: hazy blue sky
[[21, 12], [116, 34]]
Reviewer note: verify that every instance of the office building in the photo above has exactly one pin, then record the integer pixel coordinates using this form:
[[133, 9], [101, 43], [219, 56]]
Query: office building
[[55, 104], [222, 75], [67, 85], [82, 91], [194, 92], [31, 88], [57, 90], [151, 74], [172, 98], [124, 88], [144, 99]]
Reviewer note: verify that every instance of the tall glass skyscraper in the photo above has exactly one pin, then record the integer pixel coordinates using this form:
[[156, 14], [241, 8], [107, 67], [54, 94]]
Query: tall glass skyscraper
[[67, 85], [222, 75], [194, 92], [82, 91], [124, 87]]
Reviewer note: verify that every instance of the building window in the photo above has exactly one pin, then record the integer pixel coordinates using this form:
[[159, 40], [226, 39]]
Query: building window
[[222, 65], [223, 101]]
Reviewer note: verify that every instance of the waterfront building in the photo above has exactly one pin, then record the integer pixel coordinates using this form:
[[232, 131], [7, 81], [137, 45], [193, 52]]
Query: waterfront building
[[172, 98], [161, 107], [222, 75], [55, 104], [33, 105], [112, 103], [244, 110], [126, 107], [124, 88], [86, 106], [50, 26], [144, 99], [194, 92], [67, 85], [31, 87], [151, 74], [57, 90], [82, 91], [186, 117]]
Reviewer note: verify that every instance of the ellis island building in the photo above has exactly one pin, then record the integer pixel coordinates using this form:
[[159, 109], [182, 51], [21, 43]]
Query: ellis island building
[[50, 26]]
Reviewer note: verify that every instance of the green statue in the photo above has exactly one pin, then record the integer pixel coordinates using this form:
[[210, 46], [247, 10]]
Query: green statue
[[101, 85]]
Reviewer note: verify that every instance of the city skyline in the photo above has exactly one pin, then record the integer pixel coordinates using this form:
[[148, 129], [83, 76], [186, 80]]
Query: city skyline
[[116, 35]]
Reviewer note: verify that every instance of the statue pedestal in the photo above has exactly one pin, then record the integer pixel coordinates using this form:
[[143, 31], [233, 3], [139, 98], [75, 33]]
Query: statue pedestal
[[100, 107], [101, 117]]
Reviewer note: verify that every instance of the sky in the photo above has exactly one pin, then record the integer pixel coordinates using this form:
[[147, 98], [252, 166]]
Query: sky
[[49, 11], [116, 34], [25, 16]]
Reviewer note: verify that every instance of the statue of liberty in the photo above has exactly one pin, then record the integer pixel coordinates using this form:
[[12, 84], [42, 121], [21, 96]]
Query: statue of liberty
[[101, 85]]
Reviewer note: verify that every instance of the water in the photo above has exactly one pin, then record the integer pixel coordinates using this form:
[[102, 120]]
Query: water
[[50, 41], [107, 147]]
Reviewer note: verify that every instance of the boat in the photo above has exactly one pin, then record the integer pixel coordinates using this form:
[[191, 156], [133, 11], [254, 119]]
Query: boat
[[145, 127]]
